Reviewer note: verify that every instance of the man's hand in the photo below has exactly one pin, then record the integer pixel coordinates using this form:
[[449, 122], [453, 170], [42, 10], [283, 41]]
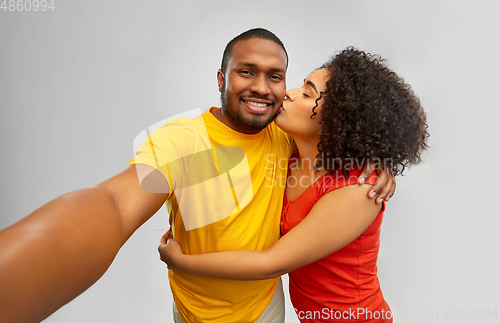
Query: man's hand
[[384, 187], [39, 268], [169, 249]]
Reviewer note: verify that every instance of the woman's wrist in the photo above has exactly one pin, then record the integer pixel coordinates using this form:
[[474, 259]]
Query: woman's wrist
[[177, 261]]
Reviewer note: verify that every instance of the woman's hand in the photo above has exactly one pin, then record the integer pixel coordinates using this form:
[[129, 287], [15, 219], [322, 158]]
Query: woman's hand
[[384, 187], [169, 249]]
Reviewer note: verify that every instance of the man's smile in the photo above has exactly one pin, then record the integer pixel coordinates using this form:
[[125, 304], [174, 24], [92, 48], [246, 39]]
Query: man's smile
[[259, 106]]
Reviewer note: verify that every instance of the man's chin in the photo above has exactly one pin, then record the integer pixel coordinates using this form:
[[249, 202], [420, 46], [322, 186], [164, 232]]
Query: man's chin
[[256, 123], [249, 121]]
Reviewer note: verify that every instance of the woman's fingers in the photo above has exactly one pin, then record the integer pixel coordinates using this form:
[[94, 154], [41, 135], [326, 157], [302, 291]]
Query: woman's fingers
[[166, 236], [384, 187], [366, 172]]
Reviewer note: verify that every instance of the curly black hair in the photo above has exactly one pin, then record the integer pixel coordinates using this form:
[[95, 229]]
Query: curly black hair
[[369, 113]]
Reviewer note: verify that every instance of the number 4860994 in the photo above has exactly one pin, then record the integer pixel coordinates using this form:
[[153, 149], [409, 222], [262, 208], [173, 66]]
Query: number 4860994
[[27, 5]]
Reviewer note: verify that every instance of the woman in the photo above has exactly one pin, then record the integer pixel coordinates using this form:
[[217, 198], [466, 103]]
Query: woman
[[351, 110]]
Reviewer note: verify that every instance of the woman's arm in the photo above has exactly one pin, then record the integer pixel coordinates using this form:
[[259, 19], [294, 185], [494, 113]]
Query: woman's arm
[[336, 220]]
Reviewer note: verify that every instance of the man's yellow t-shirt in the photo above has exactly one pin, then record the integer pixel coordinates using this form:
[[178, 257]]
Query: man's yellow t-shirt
[[226, 194]]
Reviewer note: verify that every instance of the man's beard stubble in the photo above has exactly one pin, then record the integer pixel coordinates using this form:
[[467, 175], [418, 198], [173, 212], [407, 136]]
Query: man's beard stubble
[[235, 117]]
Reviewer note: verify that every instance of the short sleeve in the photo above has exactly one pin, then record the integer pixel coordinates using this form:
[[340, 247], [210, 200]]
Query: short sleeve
[[170, 147]]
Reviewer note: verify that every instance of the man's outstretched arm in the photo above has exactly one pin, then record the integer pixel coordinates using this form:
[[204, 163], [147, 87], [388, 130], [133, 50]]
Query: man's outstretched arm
[[61, 249]]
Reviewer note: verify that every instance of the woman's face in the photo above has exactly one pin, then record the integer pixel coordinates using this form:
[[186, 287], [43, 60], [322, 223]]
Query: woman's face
[[295, 114]]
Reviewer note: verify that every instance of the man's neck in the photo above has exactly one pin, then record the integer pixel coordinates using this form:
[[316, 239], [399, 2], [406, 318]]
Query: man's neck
[[218, 115]]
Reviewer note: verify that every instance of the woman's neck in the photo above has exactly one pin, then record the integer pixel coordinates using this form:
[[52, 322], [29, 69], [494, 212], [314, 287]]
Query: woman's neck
[[308, 151], [302, 172]]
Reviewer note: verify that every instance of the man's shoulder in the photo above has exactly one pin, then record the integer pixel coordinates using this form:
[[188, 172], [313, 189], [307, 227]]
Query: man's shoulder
[[180, 130], [278, 135], [273, 127], [177, 137], [186, 123]]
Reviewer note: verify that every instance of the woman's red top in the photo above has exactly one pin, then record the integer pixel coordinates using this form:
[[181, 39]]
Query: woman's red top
[[343, 286]]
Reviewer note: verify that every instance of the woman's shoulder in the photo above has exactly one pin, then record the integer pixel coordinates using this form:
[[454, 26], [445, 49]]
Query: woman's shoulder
[[337, 178]]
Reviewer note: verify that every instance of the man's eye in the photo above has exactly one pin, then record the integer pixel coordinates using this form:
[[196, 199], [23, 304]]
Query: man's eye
[[307, 96], [246, 72], [276, 77]]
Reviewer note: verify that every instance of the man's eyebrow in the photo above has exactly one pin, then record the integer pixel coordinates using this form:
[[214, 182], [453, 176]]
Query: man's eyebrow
[[247, 64], [278, 70], [274, 69], [312, 85]]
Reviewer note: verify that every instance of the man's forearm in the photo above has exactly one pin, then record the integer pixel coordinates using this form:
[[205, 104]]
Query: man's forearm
[[56, 253]]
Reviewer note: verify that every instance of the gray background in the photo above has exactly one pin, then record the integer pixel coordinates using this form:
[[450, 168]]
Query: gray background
[[78, 84]]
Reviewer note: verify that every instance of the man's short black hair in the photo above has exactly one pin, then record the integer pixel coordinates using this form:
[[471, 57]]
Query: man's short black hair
[[249, 34]]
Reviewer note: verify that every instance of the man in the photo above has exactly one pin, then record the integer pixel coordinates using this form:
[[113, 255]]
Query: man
[[233, 147], [236, 204]]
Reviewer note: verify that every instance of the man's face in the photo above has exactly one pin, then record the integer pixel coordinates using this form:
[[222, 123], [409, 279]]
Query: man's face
[[254, 85]]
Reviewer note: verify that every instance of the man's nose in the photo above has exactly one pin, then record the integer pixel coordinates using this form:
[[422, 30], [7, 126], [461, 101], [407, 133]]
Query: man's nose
[[260, 85]]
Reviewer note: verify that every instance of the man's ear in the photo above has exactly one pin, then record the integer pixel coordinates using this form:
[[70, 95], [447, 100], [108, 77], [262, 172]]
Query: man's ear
[[220, 79]]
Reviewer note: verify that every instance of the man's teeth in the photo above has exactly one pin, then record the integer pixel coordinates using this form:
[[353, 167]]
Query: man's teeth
[[257, 104]]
